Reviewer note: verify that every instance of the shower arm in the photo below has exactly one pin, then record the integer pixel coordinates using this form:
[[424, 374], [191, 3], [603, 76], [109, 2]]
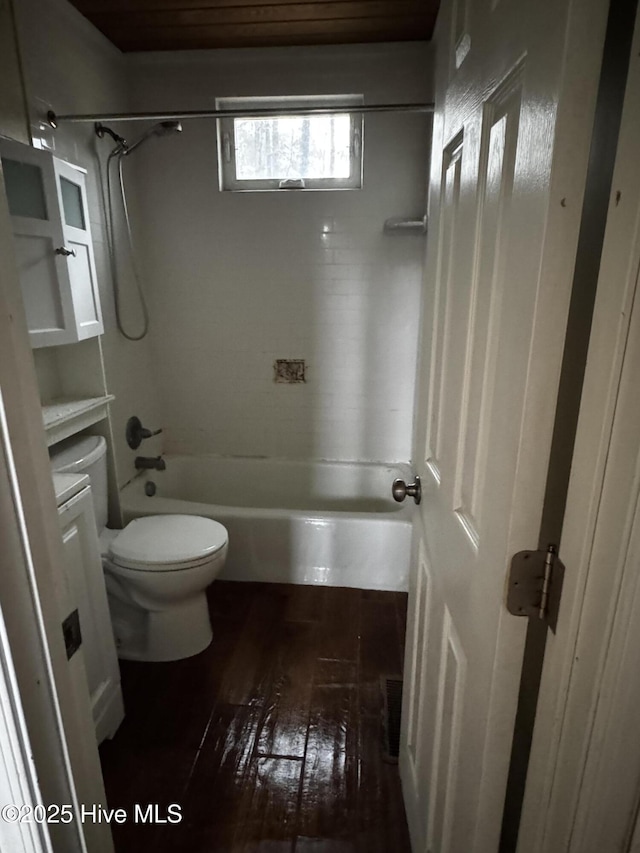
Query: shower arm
[[101, 129]]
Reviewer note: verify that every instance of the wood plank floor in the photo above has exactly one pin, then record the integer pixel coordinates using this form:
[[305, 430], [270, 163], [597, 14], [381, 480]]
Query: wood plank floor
[[270, 740]]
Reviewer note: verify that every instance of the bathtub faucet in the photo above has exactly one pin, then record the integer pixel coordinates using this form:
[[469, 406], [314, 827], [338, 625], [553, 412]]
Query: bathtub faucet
[[144, 462]]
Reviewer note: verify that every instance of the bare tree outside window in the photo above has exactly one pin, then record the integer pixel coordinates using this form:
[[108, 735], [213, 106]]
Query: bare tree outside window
[[293, 147], [290, 151]]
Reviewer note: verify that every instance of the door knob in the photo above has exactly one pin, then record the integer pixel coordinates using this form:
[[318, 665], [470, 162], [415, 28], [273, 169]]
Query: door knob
[[400, 490]]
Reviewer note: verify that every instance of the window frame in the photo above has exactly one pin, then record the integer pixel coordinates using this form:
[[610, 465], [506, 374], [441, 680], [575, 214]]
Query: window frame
[[227, 180]]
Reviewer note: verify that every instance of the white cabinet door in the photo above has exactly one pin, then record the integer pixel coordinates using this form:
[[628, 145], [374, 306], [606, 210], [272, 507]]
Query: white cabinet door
[[516, 88], [52, 236], [74, 209], [83, 586], [37, 230]]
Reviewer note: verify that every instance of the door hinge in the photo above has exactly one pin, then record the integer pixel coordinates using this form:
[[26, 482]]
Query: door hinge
[[535, 585]]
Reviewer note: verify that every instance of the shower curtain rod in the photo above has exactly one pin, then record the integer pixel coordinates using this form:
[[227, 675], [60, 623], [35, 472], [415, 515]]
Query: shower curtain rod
[[55, 119]]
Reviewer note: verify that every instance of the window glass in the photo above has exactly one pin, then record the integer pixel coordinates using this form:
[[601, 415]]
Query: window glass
[[293, 147], [72, 203], [24, 188], [289, 151]]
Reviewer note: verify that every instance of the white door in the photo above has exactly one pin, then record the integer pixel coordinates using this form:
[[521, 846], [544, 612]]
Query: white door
[[515, 98]]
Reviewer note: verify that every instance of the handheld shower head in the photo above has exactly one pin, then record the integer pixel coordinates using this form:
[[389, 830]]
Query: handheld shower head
[[163, 128]]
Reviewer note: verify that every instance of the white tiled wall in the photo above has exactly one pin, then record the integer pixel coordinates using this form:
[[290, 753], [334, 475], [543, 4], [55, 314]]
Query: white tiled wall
[[238, 280], [235, 281]]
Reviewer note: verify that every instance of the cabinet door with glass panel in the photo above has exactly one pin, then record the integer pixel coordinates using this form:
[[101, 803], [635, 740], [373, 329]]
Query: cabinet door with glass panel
[[49, 214]]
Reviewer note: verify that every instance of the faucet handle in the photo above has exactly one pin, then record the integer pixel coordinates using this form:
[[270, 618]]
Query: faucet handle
[[147, 433], [135, 432]]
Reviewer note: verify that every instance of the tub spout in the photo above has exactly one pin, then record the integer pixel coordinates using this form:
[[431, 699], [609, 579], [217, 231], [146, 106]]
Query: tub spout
[[145, 462]]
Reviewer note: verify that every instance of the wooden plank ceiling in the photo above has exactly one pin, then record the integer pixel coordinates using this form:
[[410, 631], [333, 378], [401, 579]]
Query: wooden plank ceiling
[[192, 24]]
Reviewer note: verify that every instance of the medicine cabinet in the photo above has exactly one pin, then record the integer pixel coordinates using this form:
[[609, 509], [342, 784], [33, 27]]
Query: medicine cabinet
[[50, 218]]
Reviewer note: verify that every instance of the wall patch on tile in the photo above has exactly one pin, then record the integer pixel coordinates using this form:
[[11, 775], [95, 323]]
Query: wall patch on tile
[[290, 370]]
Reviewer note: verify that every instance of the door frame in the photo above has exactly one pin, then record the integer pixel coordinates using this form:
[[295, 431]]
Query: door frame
[[18, 773], [550, 799], [612, 87], [58, 719]]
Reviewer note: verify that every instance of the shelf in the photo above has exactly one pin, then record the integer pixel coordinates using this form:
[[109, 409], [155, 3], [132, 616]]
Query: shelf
[[66, 416], [396, 225]]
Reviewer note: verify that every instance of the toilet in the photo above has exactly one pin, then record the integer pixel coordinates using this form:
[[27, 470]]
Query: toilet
[[156, 569]]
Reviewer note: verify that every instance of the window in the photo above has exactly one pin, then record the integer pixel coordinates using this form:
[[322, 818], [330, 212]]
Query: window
[[285, 152]]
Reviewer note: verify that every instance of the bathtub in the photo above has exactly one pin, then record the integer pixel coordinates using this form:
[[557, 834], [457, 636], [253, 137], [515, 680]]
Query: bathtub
[[332, 523]]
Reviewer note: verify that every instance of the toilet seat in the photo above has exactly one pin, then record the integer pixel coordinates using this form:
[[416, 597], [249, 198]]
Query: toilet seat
[[150, 568], [167, 543]]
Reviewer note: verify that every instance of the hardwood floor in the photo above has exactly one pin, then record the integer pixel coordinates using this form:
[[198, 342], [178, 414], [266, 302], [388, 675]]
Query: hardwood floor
[[270, 740]]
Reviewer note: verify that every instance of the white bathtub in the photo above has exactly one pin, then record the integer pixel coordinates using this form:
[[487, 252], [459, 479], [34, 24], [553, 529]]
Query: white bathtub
[[332, 523]]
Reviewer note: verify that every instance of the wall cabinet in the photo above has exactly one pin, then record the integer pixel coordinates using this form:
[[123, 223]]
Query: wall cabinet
[[50, 218]]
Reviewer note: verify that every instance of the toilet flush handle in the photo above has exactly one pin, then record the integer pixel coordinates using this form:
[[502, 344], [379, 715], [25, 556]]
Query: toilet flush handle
[[400, 490]]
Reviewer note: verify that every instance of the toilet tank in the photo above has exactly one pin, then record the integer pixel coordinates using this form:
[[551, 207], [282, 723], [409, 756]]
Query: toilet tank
[[86, 454]]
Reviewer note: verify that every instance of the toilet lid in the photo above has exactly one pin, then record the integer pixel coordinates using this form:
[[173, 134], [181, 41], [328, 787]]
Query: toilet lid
[[159, 540]]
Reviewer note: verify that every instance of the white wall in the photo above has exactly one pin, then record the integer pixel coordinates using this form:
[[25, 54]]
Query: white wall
[[238, 280], [13, 116], [71, 67]]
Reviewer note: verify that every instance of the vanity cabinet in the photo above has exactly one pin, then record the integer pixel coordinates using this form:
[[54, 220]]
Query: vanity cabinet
[[81, 593], [50, 218]]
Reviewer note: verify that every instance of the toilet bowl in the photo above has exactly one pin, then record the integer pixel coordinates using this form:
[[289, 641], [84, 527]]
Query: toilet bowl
[[156, 570]]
